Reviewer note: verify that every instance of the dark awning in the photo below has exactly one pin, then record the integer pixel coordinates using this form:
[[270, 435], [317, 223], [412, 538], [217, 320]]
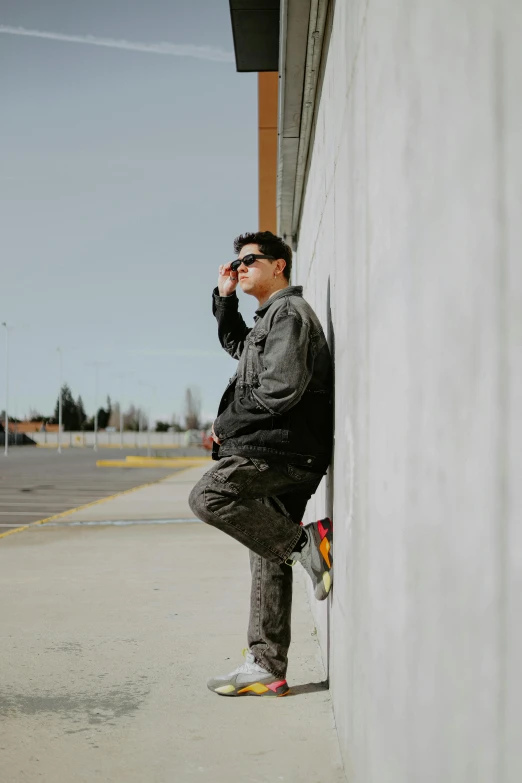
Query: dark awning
[[255, 27]]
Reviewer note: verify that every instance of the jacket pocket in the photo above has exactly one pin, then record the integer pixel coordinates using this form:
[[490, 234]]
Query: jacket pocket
[[259, 337], [254, 355]]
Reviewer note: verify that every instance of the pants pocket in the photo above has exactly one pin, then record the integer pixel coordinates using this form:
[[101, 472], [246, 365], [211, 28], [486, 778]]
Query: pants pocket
[[299, 474], [236, 473], [260, 464], [225, 469]]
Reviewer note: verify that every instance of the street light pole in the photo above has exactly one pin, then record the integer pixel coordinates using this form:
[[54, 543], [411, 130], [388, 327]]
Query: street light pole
[[60, 405], [95, 407], [6, 425], [96, 366], [149, 412], [121, 413], [122, 376]]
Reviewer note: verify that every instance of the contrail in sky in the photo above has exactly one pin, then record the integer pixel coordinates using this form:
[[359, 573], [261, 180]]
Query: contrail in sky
[[177, 50]]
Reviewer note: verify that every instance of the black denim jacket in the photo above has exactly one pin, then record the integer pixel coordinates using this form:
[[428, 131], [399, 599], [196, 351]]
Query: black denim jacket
[[279, 402]]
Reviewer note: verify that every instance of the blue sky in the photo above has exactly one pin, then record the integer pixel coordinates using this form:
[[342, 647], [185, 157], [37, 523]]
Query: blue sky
[[125, 175]]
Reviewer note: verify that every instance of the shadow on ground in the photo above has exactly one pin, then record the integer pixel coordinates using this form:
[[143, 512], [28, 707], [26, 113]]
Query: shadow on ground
[[309, 687]]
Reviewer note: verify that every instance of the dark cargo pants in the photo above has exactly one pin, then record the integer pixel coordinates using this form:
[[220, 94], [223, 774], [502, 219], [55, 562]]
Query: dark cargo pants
[[260, 504]]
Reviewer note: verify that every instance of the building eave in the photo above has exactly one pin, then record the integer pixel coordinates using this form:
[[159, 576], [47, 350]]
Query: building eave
[[255, 30], [301, 38]]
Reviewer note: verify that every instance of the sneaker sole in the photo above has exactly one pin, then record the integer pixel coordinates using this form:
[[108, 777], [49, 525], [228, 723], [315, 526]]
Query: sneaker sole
[[272, 690]]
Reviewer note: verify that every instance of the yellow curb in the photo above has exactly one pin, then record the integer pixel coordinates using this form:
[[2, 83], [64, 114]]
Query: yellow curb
[[114, 463], [85, 505], [165, 462]]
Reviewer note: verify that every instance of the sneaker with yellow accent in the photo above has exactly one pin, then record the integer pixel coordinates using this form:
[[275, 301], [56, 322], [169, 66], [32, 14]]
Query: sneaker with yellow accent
[[249, 679], [316, 556]]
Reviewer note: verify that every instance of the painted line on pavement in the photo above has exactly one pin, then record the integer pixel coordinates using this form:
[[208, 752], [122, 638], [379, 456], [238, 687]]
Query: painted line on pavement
[[153, 462], [16, 513], [157, 446], [125, 522], [88, 505]]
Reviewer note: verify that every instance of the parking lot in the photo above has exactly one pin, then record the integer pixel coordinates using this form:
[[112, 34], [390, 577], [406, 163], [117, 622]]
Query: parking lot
[[110, 632], [38, 483]]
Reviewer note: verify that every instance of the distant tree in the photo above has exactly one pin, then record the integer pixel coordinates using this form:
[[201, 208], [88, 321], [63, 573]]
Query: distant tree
[[176, 426], [162, 426], [69, 410], [130, 418], [142, 420], [192, 408], [135, 419], [81, 416], [104, 415], [12, 420], [35, 416], [114, 420]]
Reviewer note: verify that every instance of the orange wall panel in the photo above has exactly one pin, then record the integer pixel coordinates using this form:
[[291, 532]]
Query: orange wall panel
[[267, 147]]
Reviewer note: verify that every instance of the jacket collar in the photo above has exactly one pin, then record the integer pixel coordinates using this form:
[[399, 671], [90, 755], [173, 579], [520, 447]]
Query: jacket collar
[[291, 290]]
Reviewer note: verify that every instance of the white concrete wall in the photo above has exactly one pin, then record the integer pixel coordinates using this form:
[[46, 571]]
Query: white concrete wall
[[111, 439], [410, 250]]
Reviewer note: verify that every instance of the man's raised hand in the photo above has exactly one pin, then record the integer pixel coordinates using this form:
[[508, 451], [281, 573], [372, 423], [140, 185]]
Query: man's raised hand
[[227, 280]]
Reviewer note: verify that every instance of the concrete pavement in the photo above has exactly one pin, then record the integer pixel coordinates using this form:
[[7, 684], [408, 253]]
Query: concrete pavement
[[109, 634], [165, 500], [37, 483]]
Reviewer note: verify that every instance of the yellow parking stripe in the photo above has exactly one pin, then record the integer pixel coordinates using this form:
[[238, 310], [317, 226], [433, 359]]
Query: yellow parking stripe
[[85, 505], [153, 462]]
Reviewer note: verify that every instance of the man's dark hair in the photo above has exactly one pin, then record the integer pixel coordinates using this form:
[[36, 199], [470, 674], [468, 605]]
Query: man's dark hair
[[269, 245]]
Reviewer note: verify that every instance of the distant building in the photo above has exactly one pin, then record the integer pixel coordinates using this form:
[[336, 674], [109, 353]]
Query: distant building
[[31, 426]]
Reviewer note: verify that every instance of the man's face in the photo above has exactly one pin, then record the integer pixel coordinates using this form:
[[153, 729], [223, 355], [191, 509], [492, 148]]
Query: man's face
[[258, 277]]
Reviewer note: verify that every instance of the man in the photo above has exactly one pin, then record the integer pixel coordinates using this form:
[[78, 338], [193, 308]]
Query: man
[[272, 442]]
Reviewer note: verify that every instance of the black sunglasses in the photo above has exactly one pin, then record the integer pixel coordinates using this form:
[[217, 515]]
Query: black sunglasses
[[248, 261]]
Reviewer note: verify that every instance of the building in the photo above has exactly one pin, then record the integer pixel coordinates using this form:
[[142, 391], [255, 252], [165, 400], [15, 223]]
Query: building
[[397, 177], [31, 426]]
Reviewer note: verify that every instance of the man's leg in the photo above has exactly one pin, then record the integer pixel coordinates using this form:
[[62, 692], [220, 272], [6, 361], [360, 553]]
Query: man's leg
[[259, 505], [271, 600], [232, 497]]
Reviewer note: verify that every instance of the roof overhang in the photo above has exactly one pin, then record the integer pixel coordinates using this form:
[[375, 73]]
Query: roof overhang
[[301, 42], [255, 28]]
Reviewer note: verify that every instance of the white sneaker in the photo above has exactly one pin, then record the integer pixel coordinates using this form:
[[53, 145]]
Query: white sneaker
[[316, 556], [249, 679]]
